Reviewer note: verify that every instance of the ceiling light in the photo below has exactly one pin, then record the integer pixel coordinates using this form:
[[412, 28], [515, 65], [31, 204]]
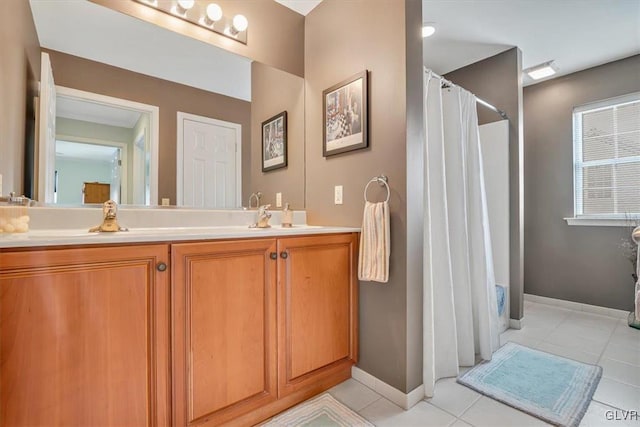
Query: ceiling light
[[240, 24], [213, 14], [541, 71], [428, 29]]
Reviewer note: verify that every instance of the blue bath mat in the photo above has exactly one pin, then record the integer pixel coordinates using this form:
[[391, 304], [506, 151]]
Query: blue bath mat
[[552, 388]]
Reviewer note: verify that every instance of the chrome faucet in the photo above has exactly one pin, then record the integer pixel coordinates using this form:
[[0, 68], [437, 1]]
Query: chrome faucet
[[263, 217], [257, 196]]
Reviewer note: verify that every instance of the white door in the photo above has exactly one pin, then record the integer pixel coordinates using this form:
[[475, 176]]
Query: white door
[[209, 162], [47, 133]]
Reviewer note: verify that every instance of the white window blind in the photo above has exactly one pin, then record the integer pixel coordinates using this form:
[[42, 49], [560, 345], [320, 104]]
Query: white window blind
[[606, 141]]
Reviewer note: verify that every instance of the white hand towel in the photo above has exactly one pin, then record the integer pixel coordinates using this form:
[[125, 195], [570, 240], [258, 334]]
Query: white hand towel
[[375, 243]]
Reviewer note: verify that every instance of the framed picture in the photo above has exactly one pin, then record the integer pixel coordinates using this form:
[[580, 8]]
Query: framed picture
[[274, 142], [345, 108]]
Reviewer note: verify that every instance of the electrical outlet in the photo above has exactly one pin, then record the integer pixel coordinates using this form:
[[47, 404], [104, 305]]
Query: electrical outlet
[[165, 201], [337, 195], [278, 200]]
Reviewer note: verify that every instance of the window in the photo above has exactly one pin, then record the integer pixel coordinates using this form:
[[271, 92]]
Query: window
[[606, 143]]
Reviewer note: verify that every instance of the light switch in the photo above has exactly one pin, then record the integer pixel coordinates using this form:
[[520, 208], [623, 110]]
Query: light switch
[[165, 201], [278, 200], [338, 194], [0, 184]]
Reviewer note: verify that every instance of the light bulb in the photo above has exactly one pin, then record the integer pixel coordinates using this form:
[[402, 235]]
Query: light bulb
[[182, 6], [214, 12], [240, 23], [186, 4]]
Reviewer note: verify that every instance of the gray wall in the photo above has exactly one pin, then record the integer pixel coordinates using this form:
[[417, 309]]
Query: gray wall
[[337, 46], [575, 263], [415, 192], [498, 81]]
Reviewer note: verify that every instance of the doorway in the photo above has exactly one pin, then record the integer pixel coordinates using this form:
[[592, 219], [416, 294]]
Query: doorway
[[79, 163], [209, 154], [78, 116]]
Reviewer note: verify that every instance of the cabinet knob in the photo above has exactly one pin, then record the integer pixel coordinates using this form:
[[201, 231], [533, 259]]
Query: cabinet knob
[[284, 255], [273, 255], [161, 266]]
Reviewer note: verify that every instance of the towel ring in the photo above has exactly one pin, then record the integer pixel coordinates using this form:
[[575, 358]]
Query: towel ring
[[382, 180]]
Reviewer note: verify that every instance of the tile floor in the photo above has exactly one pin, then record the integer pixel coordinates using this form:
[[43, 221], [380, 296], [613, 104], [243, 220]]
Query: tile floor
[[585, 337]]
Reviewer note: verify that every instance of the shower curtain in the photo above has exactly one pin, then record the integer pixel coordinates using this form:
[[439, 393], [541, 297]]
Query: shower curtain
[[460, 310]]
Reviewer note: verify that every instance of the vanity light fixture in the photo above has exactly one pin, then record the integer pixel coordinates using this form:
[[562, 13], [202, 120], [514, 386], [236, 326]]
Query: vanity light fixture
[[428, 29], [541, 71], [203, 14]]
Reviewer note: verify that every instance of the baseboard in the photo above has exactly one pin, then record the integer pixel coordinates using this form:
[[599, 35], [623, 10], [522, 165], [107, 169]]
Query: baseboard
[[587, 308], [516, 323], [405, 401]]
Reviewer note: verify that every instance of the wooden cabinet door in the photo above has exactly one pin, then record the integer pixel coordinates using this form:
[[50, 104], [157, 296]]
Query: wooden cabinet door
[[317, 309], [84, 337], [224, 329], [95, 192]]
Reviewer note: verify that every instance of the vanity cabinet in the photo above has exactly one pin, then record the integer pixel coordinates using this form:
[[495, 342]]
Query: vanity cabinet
[[185, 334], [84, 337], [260, 325]]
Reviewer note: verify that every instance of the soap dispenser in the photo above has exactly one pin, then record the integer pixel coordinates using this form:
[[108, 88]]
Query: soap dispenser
[[287, 216]]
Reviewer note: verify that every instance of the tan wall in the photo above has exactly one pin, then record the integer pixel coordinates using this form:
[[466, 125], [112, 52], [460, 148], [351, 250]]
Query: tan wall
[[19, 70], [275, 33], [343, 38], [90, 76], [274, 91], [582, 264], [498, 80]]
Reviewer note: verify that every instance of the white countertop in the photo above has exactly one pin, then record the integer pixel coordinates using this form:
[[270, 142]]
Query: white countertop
[[62, 237]]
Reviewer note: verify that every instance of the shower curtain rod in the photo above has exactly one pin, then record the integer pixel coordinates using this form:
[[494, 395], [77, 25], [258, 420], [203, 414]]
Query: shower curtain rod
[[479, 100]]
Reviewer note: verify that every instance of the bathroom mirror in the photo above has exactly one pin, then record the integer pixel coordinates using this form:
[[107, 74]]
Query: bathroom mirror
[[97, 50]]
